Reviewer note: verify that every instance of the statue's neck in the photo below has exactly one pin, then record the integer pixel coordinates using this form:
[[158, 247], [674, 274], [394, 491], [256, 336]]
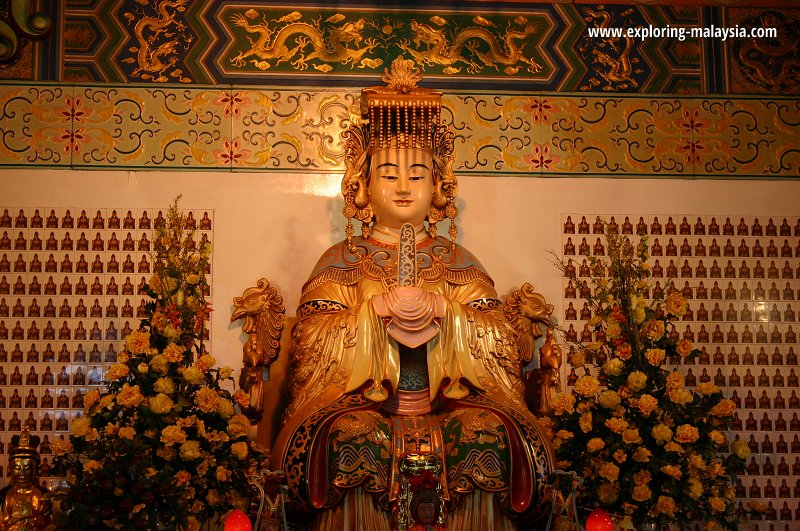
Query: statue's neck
[[24, 489], [391, 236]]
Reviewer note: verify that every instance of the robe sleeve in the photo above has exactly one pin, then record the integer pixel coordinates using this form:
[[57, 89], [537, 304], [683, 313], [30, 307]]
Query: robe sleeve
[[340, 345], [476, 343]]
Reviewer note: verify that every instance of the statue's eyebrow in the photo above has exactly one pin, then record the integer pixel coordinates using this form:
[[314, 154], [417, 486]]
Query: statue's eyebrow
[[394, 165]]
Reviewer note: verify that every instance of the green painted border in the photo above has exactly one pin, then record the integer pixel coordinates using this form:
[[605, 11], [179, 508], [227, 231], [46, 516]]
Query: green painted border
[[521, 134]]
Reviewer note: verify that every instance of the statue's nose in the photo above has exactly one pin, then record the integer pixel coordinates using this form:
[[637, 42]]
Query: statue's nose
[[402, 186]]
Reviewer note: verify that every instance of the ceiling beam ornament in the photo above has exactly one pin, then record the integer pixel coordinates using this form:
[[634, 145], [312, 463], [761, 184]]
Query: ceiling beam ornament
[[17, 24]]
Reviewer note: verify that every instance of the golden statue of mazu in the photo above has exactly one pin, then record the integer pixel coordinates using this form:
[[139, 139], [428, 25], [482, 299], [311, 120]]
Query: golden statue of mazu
[[25, 505], [406, 392]]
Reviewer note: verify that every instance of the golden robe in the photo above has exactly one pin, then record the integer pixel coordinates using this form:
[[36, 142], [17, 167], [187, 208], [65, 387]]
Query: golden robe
[[26, 510], [360, 400]]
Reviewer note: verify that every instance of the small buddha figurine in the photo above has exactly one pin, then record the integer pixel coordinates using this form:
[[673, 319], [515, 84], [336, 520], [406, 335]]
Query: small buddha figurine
[[81, 289], [780, 402], [736, 399], [205, 222], [113, 221], [25, 505], [583, 248], [144, 221], [129, 222], [655, 227], [425, 512], [15, 401], [641, 226], [80, 354], [22, 220], [127, 265], [113, 264], [14, 423]]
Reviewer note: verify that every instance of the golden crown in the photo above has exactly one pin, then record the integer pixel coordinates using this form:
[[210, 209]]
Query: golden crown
[[401, 114], [24, 445]]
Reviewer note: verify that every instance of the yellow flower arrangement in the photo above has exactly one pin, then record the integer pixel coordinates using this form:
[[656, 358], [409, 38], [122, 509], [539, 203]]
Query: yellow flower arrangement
[[587, 385], [641, 493], [595, 444], [649, 448], [164, 445], [647, 404], [637, 380], [609, 399]]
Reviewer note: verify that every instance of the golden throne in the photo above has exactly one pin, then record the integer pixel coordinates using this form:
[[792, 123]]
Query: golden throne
[[268, 344]]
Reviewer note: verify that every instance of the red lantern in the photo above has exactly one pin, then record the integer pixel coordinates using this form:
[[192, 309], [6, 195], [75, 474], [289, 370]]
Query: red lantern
[[237, 521], [599, 520]]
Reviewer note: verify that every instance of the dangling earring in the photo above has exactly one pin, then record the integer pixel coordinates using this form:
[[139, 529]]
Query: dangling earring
[[431, 229], [365, 230], [348, 231], [451, 211]]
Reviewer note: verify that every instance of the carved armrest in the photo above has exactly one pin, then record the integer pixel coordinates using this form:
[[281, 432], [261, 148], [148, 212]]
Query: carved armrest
[[528, 312], [264, 316]]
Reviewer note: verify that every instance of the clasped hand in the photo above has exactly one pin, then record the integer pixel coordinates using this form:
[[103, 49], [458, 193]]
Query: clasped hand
[[412, 314]]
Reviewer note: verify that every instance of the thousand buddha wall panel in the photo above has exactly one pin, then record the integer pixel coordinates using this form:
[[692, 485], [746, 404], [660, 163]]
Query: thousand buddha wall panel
[[70, 281], [741, 276]]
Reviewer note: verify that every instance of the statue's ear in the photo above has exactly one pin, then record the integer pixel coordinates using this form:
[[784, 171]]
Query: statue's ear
[[362, 195]]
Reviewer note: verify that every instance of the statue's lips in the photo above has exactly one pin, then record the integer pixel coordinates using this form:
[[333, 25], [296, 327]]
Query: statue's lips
[[402, 202]]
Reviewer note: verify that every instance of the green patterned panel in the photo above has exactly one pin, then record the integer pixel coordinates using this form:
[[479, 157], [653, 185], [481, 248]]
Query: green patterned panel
[[747, 136], [675, 63], [79, 35], [37, 125], [555, 134], [565, 48], [152, 128], [92, 41], [272, 129], [205, 39]]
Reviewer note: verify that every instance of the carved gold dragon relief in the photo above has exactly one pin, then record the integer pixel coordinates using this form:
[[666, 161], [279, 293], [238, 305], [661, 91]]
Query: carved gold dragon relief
[[772, 63], [264, 315], [527, 311], [161, 39], [613, 63], [504, 50], [288, 42]]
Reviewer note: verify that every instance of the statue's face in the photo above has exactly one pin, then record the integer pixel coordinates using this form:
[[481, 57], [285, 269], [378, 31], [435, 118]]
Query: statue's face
[[400, 186], [23, 471], [426, 513]]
